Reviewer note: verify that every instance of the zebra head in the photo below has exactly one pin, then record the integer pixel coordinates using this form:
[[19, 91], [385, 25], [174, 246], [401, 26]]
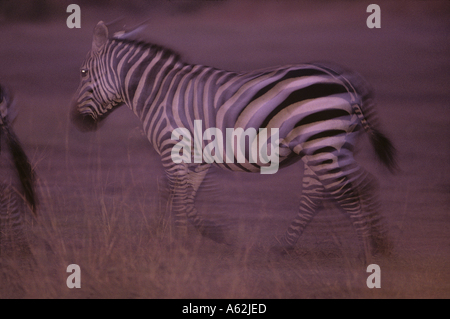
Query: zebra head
[[98, 94]]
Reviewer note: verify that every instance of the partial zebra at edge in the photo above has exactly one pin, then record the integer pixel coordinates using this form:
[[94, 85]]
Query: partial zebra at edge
[[17, 183]]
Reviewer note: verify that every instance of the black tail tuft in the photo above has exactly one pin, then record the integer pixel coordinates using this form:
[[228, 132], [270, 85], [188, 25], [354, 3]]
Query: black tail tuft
[[384, 149]]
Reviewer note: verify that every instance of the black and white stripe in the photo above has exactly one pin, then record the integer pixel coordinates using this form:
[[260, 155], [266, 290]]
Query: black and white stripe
[[17, 181], [317, 109]]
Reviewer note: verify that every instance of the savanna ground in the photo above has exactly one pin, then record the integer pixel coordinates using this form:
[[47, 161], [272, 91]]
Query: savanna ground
[[103, 195]]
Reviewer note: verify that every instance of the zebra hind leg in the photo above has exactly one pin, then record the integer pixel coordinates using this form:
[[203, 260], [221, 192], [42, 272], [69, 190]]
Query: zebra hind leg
[[379, 237], [356, 197], [353, 190]]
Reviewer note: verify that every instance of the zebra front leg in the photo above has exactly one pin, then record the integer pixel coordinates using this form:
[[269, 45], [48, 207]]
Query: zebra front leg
[[207, 228], [184, 183], [177, 202]]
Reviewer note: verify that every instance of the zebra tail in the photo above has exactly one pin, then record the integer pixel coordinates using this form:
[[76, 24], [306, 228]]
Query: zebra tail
[[366, 111], [384, 149], [364, 108]]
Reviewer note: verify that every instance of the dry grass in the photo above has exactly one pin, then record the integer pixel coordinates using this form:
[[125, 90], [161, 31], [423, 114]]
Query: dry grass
[[122, 244]]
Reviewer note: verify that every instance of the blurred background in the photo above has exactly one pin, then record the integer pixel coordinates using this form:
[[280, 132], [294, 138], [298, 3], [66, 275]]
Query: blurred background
[[103, 194]]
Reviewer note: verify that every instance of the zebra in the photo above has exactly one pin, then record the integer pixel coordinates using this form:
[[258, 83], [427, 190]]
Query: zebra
[[318, 109], [17, 183]]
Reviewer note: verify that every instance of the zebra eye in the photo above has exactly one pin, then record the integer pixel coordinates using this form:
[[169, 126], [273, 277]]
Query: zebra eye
[[84, 72]]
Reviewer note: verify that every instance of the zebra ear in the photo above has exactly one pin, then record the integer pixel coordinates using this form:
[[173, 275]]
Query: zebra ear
[[100, 36]]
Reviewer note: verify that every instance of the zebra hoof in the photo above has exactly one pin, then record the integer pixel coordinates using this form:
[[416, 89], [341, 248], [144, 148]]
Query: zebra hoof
[[214, 232], [382, 246], [281, 250], [280, 247]]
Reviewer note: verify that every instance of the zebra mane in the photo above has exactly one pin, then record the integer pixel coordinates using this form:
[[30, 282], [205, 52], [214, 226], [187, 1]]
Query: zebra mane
[[154, 47], [133, 37]]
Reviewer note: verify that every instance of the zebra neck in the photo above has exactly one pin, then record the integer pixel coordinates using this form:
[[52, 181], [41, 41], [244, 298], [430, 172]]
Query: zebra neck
[[142, 69]]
